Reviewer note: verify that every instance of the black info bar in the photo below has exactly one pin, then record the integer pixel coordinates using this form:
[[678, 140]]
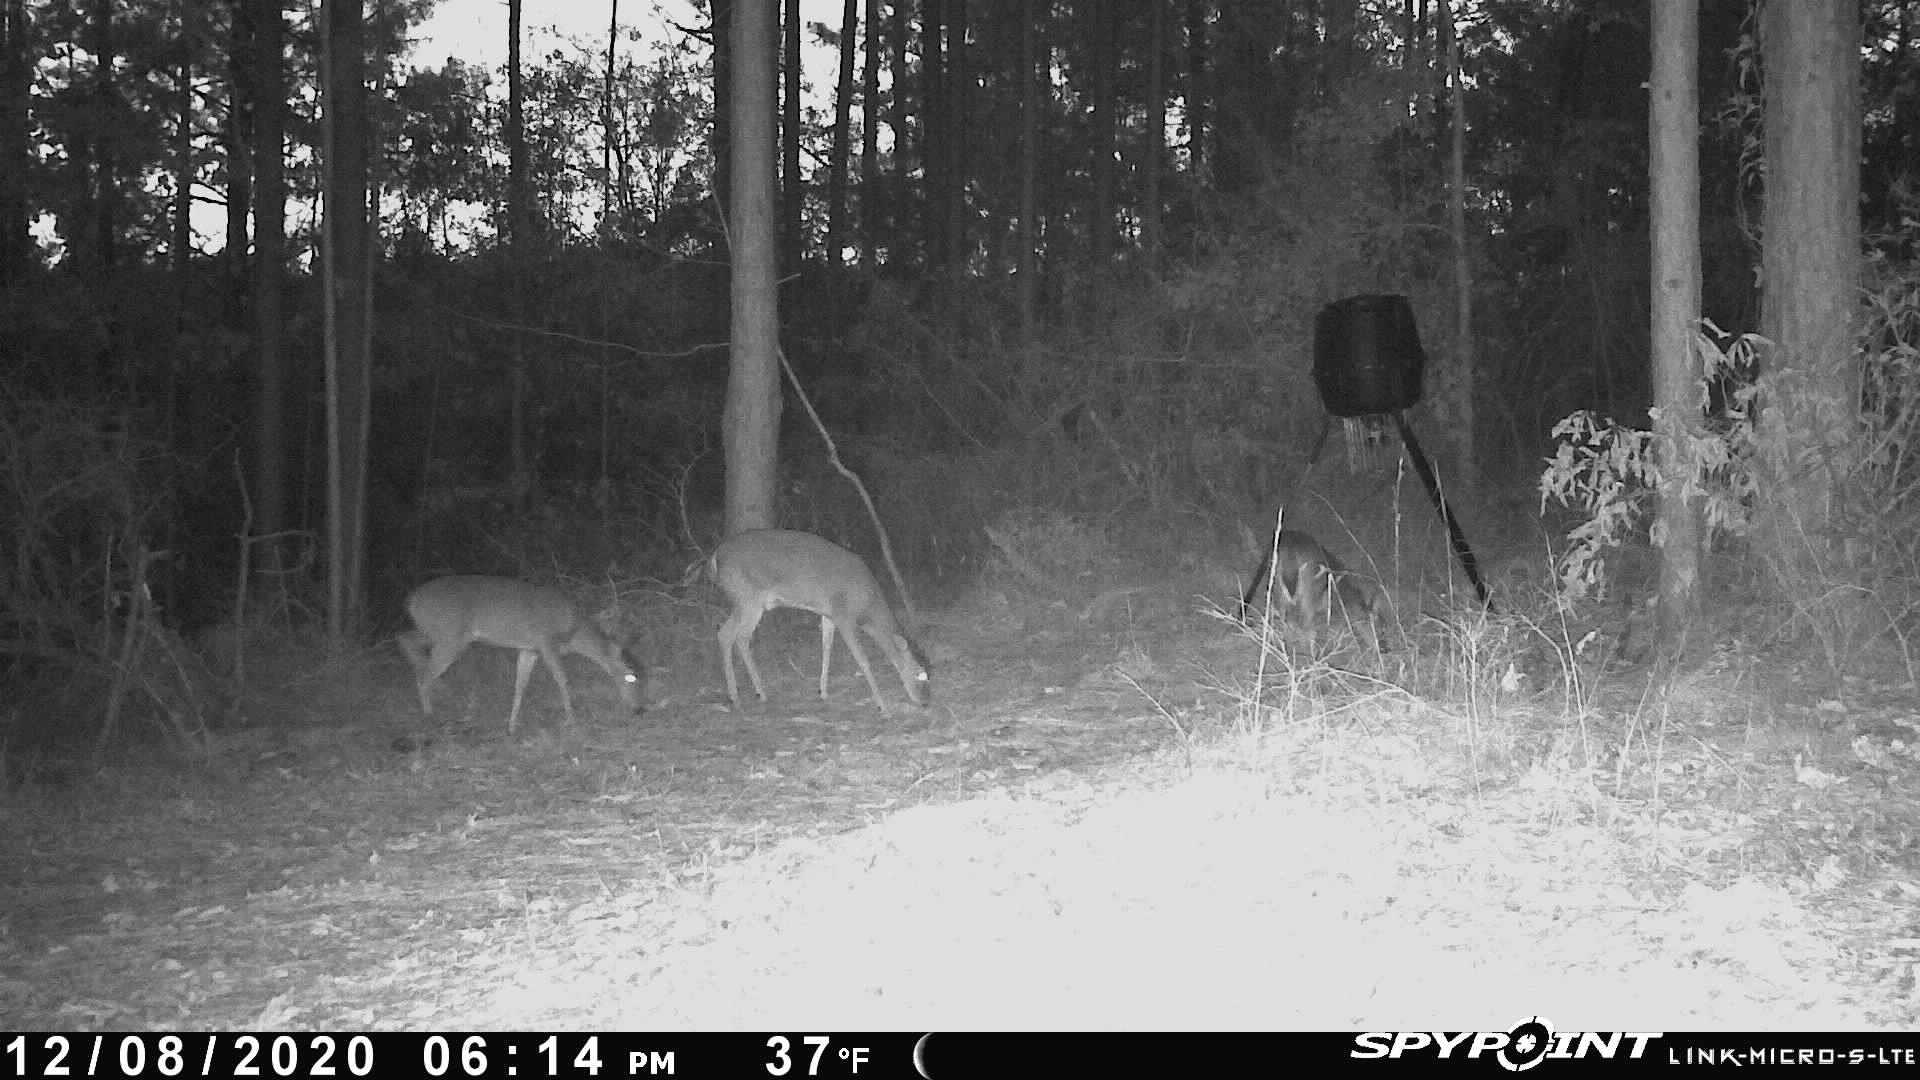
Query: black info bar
[[889, 1055]]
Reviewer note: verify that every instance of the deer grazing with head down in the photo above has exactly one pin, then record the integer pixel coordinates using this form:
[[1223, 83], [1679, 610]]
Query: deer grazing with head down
[[539, 621], [763, 569]]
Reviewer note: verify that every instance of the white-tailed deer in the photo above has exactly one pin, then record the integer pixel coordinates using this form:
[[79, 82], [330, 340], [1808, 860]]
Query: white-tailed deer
[[1309, 581], [540, 621], [765, 569]]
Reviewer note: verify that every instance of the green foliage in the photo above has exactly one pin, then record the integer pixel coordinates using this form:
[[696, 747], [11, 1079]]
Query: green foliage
[[1610, 473], [1845, 579]]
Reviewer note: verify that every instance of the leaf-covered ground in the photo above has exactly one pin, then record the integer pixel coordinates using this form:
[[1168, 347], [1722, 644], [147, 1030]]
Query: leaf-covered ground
[[1096, 825]]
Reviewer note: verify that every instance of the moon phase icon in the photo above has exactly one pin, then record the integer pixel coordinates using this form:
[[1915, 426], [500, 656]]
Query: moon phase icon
[[920, 1056]]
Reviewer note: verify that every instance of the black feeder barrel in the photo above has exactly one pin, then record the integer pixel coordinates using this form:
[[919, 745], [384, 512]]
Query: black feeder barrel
[[1367, 361], [1367, 358]]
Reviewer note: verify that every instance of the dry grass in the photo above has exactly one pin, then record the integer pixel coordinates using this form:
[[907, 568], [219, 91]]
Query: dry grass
[[1121, 812]]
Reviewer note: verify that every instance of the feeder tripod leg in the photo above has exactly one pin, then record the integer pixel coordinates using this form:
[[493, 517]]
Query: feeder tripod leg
[[1320, 444], [1459, 539]]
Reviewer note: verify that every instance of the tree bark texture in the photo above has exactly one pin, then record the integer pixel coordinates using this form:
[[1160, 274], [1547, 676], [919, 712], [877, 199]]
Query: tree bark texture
[[1810, 261], [751, 427], [348, 371], [270, 222], [1674, 181]]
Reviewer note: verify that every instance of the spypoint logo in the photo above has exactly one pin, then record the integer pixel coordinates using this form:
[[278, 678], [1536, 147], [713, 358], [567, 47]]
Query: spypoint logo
[[1526, 1045], [1530, 1042]]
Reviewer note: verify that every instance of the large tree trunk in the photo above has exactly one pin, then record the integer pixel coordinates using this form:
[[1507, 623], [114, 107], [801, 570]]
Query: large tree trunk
[[347, 323], [1809, 268], [16, 75], [842, 135], [1032, 81], [751, 428], [1674, 176], [269, 148], [870, 141], [793, 192]]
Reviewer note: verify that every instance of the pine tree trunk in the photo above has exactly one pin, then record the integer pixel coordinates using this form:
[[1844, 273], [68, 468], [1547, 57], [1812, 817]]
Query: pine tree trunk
[[270, 214], [1674, 180], [751, 427], [1810, 269], [347, 322]]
